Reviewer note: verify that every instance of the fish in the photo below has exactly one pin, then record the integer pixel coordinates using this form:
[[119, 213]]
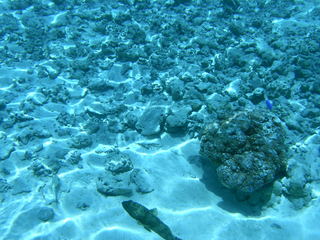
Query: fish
[[269, 104], [56, 186], [234, 4], [148, 219]]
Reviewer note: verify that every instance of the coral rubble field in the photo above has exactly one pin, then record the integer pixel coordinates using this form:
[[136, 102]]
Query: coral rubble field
[[159, 119]]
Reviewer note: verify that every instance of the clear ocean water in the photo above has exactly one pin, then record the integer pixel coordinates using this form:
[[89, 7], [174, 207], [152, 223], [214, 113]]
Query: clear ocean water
[[159, 119]]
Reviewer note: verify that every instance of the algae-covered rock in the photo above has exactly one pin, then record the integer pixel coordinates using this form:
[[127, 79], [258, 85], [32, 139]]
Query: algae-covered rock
[[248, 149]]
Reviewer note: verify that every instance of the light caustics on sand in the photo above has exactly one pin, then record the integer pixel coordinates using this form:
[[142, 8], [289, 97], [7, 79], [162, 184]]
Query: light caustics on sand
[[186, 211], [133, 147], [117, 228]]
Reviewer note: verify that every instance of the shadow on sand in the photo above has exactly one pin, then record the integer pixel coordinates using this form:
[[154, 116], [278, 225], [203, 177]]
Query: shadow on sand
[[231, 201]]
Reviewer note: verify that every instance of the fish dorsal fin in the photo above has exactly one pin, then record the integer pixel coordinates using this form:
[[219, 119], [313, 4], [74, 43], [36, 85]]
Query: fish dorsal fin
[[154, 211]]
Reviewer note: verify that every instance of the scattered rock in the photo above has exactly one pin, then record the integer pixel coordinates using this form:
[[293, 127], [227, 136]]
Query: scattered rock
[[4, 185], [37, 99], [81, 141], [175, 87], [142, 180], [100, 85], [30, 134], [113, 187], [74, 158], [67, 119], [2, 104], [96, 110], [256, 96], [118, 162], [57, 94], [7, 147], [296, 186], [21, 185], [45, 214], [91, 127], [177, 122], [131, 119], [39, 170], [151, 121]]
